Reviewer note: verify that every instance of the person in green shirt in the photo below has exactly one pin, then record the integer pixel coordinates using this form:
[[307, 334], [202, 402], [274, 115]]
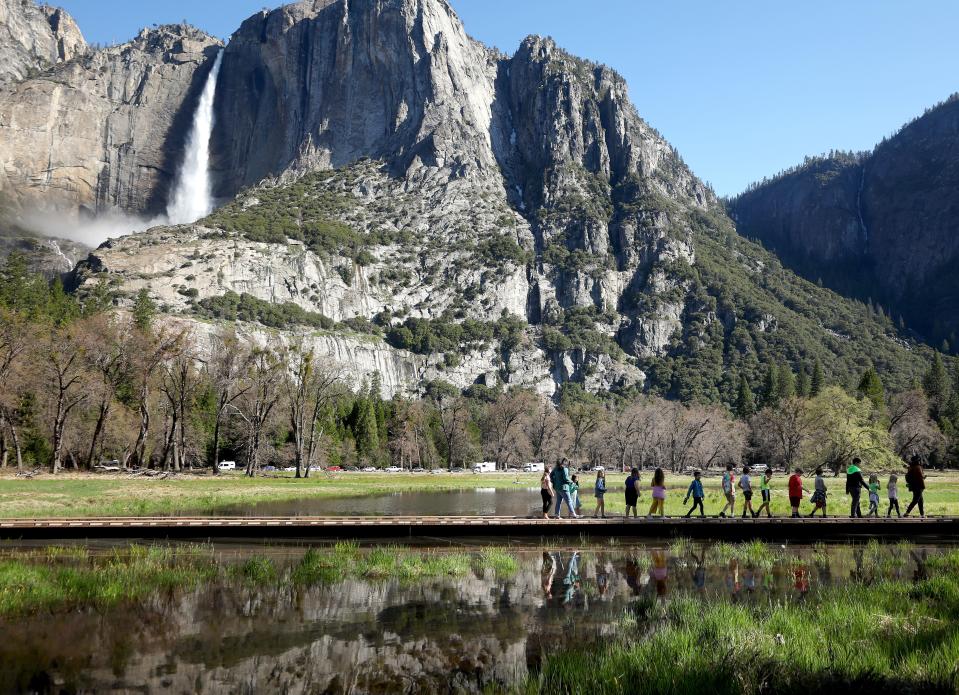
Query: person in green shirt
[[766, 492], [561, 484]]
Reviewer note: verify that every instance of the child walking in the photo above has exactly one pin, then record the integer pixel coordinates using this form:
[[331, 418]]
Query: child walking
[[766, 493], [729, 490], [795, 491], [659, 493], [632, 492], [873, 495], [574, 494], [819, 494], [696, 490], [746, 485], [892, 489], [599, 491]]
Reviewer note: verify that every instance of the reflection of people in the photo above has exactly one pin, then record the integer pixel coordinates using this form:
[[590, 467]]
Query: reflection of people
[[602, 578], [699, 573], [916, 482], [732, 579], [659, 571], [571, 580], [546, 491], [659, 493], [548, 574], [632, 491], [801, 580]]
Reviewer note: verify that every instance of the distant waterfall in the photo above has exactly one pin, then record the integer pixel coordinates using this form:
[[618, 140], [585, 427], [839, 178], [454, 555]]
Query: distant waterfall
[[192, 197]]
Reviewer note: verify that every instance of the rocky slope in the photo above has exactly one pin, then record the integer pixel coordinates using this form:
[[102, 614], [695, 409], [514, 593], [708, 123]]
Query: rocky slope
[[99, 129], [34, 37], [480, 217], [882, 225]]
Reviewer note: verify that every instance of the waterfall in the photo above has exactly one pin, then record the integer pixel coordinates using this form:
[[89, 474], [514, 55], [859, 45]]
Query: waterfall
[[192, 197]]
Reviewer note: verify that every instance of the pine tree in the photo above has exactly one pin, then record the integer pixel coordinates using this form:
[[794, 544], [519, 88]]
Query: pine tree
[[803, 384], [770, 387], [870, 387], [787, 382], [936, 385], [745, 403], [143, 310], [366, 432], [818, 380]]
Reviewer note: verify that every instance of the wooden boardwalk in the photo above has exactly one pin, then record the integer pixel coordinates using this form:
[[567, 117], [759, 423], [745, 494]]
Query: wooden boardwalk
[[451, 527]]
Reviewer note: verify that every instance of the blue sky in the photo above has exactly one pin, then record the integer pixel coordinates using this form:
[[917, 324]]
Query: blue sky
[[743, 88]]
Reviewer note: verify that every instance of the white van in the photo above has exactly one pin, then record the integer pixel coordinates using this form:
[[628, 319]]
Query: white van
[[484, 467], [535, 467], [227, 465]]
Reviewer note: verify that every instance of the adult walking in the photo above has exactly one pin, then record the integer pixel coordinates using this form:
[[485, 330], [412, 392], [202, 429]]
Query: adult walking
[[916, 482], [561, 485], [855, 484], [546, 491]]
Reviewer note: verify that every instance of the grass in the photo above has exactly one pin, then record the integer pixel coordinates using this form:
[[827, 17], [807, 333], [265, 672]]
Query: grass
[[110, 495], [887, 636]]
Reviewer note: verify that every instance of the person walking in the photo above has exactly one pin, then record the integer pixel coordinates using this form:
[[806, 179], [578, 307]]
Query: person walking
[[854, 487], [873, 495], [561, 484], [659, 493], [632, 492], [729, 490], [766, 492], [546, 491], [696, 491], [599, 490], [892, 491], [574, 493], [819, 494], [795, 491], [916, 483], [746, 485]]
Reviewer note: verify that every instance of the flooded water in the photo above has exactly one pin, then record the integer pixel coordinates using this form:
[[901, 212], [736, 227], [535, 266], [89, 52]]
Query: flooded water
[[479, 502], [361, 635]]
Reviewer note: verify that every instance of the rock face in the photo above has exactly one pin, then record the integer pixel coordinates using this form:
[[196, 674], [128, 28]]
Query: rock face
[[34, 37], [883, 225], [102, 129]]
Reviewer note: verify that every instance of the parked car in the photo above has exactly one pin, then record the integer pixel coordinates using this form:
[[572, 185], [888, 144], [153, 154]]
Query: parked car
[[334, 469], [534, 467], [438, 471], [597, 469], [457, 469], [369, 469], [394, 469], [418, 469], [351, 469], [484, 467], [290, 469], [227, 465], [269, 469]]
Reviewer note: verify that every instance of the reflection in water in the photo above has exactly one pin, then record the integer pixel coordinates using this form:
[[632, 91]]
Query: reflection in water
[[436, 635]]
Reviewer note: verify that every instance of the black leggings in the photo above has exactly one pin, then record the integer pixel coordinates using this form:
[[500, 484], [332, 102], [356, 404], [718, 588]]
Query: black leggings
[[547, 500], [893, 504], [697, 502], [916, 501], [854, 510]]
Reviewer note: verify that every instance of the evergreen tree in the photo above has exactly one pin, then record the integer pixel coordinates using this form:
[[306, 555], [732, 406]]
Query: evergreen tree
[[366, 432], [770, 387], [745, 404], [143, 310], [787, 382], [818, 380], [803, 384], [936, 385], [871, 388]]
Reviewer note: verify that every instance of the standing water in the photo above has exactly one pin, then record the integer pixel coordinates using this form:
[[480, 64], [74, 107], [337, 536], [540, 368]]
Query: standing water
[[192, 198]]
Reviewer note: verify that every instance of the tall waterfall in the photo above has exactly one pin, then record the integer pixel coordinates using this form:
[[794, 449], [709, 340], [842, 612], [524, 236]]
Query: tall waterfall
[[192, 197]]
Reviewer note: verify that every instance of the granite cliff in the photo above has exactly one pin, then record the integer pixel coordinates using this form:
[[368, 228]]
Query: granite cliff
[[882, 225]]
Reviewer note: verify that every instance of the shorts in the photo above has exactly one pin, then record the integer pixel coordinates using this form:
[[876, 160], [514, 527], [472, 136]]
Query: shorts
[[794, 501], [599, 494], [747, 495], [819, 497], [766, 495]]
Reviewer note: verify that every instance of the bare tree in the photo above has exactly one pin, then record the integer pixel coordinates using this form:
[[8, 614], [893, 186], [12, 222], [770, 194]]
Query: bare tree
[[680, 429], [585, 416], [15, 336], [264, 378], [65, 375], [222, 371], [547, 430], [311, 389], [179, 385], [502, 425], [782, 432], [911, 428], [108, 357], [454, 415], [628, 428], [148, 351]]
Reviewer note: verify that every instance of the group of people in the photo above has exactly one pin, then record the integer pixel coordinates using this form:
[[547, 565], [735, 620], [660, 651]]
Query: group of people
[[560, 486]]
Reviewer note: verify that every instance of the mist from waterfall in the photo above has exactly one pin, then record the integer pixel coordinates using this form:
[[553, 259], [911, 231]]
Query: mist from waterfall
[[192, 195]]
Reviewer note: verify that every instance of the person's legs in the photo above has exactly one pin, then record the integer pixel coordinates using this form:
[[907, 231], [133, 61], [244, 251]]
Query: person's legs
[[702, 509], [559, 504], [916, 499], [547, 502], [922, 512], [569, 503], [854, 509]]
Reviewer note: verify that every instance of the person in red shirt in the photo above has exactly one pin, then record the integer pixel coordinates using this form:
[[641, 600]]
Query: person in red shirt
[[795, 491]]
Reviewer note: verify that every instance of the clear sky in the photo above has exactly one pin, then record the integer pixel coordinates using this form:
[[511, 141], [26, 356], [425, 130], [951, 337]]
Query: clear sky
[[743, 88]]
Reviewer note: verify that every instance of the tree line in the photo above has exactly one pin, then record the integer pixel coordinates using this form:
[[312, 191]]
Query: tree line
[[84, 384]]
